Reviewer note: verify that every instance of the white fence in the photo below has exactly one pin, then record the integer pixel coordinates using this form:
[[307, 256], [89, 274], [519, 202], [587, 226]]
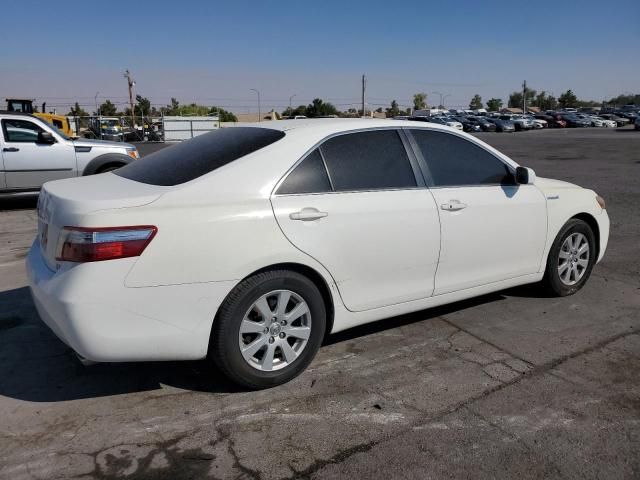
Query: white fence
[[183, 128]]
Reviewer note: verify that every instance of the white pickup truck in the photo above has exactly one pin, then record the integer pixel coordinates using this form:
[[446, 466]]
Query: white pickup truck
[[33, 152]]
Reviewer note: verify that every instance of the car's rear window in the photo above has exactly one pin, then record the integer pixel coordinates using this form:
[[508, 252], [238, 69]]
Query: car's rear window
[[196, 157]]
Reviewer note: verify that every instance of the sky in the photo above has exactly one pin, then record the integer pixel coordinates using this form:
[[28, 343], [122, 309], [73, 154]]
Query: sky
[[214, 53]]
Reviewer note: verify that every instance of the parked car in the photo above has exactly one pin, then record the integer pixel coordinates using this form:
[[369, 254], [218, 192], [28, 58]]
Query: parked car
[[637, 123], [593, 122], [521, 123], [448, 121], [620, 121], [248, 245], [553, 121], [628, 114], [538, 123], [467, 125], [605, 123], [34, 152], [502, 125], [483, 123], [575, 122]]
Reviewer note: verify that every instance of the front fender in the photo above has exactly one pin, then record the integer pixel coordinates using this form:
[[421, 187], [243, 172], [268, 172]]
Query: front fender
[[101, 160]]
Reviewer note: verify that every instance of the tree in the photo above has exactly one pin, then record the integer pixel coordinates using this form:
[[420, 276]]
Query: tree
[[107, 109], [515, 99], [494, 104], [568, 99], [172, 109], [143, 106], [420, 101], [224, 115], [319, 108], [625, 99], [77, 111], [379, 110], [544, 101], [476, 102], [393, 111]]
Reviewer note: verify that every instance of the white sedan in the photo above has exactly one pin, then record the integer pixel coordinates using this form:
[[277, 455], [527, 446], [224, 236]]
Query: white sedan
[[249, 244]]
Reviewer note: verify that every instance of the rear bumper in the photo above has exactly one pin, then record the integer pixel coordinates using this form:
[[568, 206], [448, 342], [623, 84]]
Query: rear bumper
[[89, 308]]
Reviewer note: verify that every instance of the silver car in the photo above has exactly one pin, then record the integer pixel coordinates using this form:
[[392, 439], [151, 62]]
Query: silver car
[[34, 152]]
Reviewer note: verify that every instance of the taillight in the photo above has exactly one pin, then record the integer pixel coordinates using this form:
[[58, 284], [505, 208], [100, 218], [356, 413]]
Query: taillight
[[79, 244]]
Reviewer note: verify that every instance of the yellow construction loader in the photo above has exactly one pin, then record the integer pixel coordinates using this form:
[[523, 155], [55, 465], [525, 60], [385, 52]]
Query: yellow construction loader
[[26, 106]]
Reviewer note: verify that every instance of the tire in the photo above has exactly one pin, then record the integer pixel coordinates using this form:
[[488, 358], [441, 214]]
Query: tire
[[240, 309], [110, 168], [556, 282]]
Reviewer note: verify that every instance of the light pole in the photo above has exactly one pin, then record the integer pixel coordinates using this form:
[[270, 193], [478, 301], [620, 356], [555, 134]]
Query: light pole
[[442, 97], [290, 109], [259, 112], [438, 93]]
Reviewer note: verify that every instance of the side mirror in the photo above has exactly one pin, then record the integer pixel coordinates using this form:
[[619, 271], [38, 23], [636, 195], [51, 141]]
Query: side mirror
[[525, 176], [46, 138]]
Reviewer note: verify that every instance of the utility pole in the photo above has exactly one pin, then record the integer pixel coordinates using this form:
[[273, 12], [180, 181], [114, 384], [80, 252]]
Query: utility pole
[[364, 86], [95, 100], [130, 84], [290, 110], [524, 97]]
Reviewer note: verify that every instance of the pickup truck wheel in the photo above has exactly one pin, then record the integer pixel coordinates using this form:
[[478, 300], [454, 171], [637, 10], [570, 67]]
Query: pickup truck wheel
[[109, 168], [570, 259]]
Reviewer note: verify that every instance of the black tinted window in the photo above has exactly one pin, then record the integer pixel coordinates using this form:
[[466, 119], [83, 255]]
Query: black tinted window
[[198, 156], [454, 161], [368, 161], [309, 176]]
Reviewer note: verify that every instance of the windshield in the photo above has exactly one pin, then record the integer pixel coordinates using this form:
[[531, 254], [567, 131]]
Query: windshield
[[58, 131]]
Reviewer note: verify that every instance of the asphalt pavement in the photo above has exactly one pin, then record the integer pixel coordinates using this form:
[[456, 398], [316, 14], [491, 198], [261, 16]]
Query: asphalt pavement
[[508, 385]]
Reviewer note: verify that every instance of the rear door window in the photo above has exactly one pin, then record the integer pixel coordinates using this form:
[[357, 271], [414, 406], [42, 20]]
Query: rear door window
[[371, 160], [196, 157]]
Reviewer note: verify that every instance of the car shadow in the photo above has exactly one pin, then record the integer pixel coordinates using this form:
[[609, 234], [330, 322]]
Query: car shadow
[[36, 366], [27, 202]]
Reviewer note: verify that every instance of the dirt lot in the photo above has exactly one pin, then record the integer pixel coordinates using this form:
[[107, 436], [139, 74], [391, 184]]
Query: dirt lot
[[509, 385]]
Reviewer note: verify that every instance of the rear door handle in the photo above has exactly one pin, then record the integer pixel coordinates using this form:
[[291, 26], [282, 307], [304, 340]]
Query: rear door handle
[[453, 205], [308, 214], [10, 149]]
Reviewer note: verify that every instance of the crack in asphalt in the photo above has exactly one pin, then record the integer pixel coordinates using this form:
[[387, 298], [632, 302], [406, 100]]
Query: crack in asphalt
[[345, 454]]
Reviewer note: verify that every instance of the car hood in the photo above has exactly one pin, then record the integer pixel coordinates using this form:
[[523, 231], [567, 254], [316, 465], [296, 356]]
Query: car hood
[[552, 184], [83, 142]]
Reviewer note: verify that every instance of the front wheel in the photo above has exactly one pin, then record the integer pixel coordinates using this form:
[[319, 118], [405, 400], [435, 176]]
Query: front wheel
[[570, 259], [268, 329]]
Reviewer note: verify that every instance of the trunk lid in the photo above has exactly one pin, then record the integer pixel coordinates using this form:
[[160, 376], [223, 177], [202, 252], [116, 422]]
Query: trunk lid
[[69, 202]]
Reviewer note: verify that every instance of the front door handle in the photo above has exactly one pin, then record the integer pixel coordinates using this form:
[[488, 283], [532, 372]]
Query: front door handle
[[308, 214], [10, 149], [453, 205]]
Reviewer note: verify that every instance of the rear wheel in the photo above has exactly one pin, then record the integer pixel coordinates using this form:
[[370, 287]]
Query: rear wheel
[[570, 259], [268, 329]]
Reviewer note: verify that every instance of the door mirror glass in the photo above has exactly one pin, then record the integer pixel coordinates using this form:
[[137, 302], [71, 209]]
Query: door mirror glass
[[525, 176], [46, 138]]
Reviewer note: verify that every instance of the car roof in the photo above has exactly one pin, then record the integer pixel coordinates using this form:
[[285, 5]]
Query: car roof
[[16, 114], [328, 126]]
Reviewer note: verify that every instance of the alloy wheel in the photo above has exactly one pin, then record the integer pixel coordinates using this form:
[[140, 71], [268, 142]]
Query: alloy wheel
[[573, 258], [275, 330]]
